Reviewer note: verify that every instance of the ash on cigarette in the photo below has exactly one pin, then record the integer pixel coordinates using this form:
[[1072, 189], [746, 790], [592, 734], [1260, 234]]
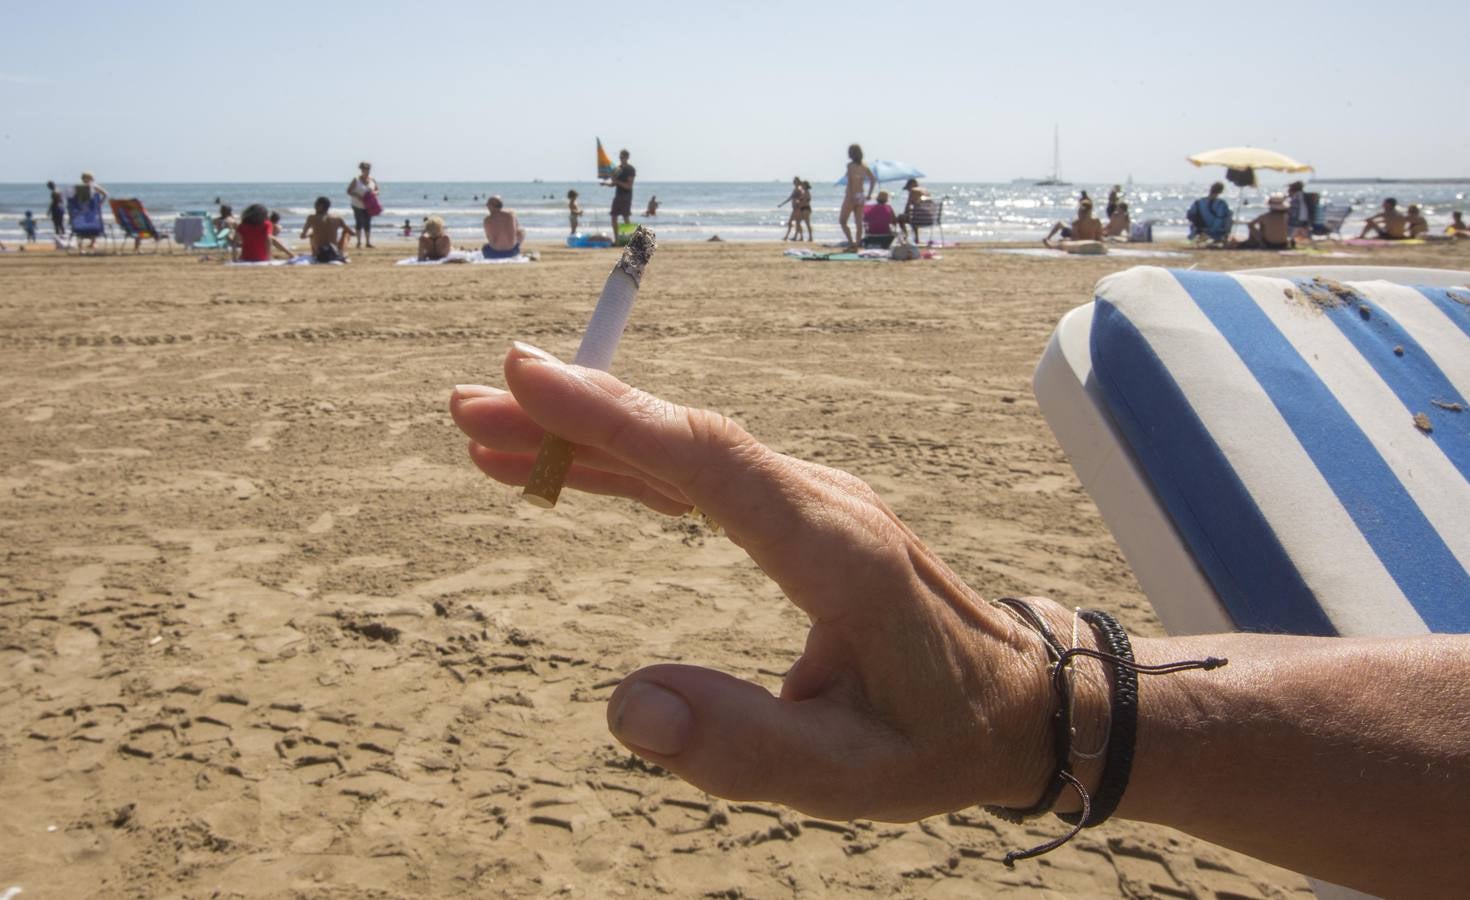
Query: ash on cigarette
[[637, 254], [1324, 293]]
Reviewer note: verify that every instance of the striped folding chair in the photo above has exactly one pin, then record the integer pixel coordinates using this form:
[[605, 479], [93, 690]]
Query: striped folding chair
[[1282, 450], [135, 223]]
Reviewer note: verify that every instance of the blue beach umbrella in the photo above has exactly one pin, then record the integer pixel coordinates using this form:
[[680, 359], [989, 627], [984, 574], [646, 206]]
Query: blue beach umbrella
[[890, 170]]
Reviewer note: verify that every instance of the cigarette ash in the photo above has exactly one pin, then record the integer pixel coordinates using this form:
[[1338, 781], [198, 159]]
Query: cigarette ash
[[637, 254]]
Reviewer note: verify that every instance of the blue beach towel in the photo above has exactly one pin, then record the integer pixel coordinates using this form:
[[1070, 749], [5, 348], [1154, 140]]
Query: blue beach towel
[[1309, 440]]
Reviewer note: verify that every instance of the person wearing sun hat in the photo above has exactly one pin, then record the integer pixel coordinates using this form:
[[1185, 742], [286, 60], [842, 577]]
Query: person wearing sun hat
[[1271, 230], [916, 195]]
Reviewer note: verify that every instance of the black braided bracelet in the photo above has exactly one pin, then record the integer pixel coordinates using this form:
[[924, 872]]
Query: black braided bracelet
[[1123, 729], [1122, 726]]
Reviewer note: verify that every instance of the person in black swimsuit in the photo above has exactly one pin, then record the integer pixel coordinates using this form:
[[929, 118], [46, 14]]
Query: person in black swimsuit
[[57, 210]]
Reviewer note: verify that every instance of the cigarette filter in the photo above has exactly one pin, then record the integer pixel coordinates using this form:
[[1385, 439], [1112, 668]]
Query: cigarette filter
[[599, 343]]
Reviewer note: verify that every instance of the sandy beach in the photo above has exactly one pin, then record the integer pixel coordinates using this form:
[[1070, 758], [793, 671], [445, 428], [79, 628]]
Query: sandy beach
[[265, 631]]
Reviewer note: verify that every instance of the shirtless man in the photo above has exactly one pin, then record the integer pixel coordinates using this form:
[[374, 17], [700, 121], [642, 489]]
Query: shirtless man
[[622, 185], [1390, 225], [328, 233], [1271, 230], [1085, 228], [503, 233], [860, 185], [1457, 227], [917, 194]]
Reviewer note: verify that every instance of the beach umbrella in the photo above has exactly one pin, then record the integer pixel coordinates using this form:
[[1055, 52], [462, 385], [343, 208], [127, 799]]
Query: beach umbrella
[[1249, 158], [886, 170]]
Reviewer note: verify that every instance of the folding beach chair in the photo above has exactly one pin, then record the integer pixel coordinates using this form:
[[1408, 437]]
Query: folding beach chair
[[198, 225], [86, 218], [1333, 217], [133, 219], [929, 214], [1282, 450]]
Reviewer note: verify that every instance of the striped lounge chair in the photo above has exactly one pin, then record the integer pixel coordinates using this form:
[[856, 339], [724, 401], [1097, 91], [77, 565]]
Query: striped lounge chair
[[135, 223], [1283, 450]]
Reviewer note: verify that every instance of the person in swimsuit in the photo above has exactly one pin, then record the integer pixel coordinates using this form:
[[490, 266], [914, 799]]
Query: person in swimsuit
[[794, 218], [1457, 227], [28, 225], [252, 240], [804, 210], [916, 195], [1085, 228], [224, 223], [860, 185], [328, 233], [1418, 225], [652, 209], [1119, 222], [357, 191], [1389, 225], [574, 210], [434, 243], [57, 210], [1271, 230], [503, 232], [622, 183]]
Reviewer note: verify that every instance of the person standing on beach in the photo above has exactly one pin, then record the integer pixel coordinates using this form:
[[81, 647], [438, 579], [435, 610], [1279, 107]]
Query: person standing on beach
[[57, 210], [652, 209], [357, 191], [793, 220], [860, 185], [574, 210], [622, 184]]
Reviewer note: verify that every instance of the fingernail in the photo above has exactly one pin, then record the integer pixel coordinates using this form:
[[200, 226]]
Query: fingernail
[[470, 391], [524, 350], [652, 718]]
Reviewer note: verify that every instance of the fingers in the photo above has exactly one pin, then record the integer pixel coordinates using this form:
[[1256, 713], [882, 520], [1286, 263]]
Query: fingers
[[515, 469], [735, 740], [492, 418]]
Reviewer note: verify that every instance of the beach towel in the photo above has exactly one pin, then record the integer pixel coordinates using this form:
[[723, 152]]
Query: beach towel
[[860, 256], [1052, 253], [1381, 242], [465, 257], [302, 260]]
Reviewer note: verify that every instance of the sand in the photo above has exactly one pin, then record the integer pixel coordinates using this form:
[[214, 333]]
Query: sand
[[264, 631]]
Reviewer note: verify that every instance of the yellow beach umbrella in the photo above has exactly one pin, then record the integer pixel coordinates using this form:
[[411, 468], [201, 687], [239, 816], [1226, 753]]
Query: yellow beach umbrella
[[1249, 158]]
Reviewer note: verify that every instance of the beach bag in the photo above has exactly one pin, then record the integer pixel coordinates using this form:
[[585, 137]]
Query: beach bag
[[371, 204], [903, 251]]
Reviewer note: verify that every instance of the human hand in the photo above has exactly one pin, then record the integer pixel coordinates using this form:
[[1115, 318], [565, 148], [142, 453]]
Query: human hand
[[912, 696]]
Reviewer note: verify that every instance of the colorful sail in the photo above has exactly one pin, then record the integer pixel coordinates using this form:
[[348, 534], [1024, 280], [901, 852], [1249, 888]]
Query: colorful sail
[[604, 162]]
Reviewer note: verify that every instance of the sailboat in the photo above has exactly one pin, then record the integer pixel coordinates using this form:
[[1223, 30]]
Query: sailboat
[[1055, 179]]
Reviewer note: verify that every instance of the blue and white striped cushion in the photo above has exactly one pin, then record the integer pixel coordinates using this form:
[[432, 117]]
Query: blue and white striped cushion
[[1280, 436]]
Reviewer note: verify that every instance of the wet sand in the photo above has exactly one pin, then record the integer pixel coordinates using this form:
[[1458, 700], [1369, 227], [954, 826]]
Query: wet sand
[[264, 631]]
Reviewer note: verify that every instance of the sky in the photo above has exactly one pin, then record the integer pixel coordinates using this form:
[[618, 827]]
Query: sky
[[749, 91]]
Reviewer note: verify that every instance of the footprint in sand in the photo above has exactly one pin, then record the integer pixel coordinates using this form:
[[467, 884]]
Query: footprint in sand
[[40, 414]]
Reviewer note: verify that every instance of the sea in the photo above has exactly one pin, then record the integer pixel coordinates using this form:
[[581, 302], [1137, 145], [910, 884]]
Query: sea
[[733, 211]]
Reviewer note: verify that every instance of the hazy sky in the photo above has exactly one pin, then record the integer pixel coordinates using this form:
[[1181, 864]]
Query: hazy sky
[[731, 91]]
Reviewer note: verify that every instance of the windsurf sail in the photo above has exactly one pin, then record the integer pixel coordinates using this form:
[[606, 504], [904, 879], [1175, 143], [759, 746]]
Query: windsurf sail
[[604, 162]]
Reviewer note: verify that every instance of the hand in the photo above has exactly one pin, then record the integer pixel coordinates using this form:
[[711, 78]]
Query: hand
[[912, 696]]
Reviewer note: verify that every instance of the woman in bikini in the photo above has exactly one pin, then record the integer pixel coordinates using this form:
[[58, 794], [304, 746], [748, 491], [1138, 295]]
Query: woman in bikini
[[804, 211], [860, 185]]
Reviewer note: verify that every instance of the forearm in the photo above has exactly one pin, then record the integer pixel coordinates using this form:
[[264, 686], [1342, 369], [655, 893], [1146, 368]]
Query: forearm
[[1345, 759]]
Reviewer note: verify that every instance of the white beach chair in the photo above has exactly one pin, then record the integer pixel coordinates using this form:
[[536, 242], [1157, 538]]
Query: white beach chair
[[1257, 444]]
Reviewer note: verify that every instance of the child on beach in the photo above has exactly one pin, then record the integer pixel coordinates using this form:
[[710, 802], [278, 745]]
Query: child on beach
[[407, 228], [574, 210], [225, 221], [275, 222], [1457, 227], [57, 209], [28, 225], [328, 233]]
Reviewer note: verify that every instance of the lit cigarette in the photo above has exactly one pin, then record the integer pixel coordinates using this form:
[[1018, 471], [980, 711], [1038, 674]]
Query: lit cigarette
[[599, 344]]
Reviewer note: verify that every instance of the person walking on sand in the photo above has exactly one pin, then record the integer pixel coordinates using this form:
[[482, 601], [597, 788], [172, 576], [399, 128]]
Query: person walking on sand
[[622, 185], [363, 192], [328, 233], [794, 219], [804, 211], [861, 183], [57, 210]]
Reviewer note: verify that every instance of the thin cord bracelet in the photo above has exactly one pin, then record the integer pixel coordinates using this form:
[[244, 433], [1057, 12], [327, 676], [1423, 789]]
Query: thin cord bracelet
[[1122, 723], [1111, 786]]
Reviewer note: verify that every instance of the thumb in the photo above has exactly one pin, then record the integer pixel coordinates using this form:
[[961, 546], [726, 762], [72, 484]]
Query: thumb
[[734, 739]]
